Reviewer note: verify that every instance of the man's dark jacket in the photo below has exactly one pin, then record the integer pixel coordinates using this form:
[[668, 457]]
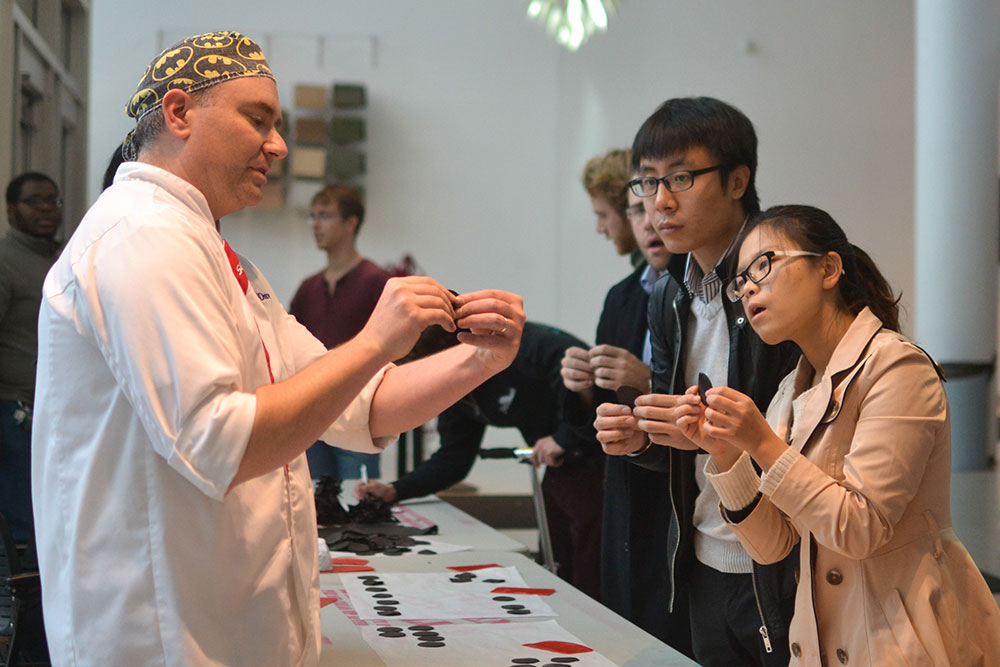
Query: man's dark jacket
[[755, 369], [634, 583]]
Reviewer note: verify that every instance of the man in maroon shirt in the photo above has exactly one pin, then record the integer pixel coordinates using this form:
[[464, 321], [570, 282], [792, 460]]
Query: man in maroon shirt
[[335, 303]]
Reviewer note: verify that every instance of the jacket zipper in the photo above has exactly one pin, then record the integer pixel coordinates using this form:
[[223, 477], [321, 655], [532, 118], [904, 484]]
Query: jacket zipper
[[764, 634], [763, 624], [670, 479]]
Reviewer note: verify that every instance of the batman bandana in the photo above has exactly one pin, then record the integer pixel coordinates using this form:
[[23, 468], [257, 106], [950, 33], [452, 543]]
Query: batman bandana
[[194, 64]]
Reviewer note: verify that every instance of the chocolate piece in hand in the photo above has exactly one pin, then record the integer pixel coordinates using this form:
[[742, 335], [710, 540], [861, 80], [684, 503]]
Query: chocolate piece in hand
[[458, 330], [704, 384], [626, 395]]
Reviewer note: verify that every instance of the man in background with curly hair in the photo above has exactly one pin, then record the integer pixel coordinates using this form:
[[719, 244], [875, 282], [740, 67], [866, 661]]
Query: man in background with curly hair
[[605, 178]]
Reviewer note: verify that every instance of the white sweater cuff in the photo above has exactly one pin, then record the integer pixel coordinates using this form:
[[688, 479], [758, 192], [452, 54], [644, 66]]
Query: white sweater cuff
[[738, 486], [777, 472]]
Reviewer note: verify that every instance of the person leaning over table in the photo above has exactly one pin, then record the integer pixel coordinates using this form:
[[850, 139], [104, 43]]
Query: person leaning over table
[[176, 397], [528, 395], [854, 458]]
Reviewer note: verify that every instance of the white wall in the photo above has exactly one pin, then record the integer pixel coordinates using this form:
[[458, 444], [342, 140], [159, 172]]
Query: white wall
[[480, 124], [829, 87]]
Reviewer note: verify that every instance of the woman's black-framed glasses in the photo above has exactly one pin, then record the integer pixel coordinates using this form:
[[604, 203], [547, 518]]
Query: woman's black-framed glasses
[[675, 181], [758, 269]]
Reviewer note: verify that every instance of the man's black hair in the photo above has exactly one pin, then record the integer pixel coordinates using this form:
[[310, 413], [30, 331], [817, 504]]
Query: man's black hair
[[14, 187], [109, 172], [683, 123]]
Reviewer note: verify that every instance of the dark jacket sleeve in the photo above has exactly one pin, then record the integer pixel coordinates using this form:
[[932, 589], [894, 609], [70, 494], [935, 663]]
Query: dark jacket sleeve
[[540, 359], [622, 324], [461, 435], [661, 341]]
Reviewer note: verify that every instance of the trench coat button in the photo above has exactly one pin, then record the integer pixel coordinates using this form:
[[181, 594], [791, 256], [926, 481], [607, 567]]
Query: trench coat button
[[842, 656], [834, 577], [796, 650], [832, 410]]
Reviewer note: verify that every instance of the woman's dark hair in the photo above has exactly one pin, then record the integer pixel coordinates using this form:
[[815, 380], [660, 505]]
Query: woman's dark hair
[[862, 284]]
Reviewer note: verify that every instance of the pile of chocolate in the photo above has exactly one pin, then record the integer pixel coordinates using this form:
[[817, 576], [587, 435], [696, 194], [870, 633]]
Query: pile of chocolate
[[368, 544], [328, 508], [329, 511], [366, 528]]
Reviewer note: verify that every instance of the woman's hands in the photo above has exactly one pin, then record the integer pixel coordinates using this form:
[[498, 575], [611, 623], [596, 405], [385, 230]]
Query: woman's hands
[[729, 425]]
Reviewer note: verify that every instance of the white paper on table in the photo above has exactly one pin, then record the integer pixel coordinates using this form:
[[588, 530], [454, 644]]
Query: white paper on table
[[435, 595], [435, 545], [477, 644]]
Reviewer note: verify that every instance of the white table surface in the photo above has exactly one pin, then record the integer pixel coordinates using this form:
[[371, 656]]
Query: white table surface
[[609, 634], [457, 527]]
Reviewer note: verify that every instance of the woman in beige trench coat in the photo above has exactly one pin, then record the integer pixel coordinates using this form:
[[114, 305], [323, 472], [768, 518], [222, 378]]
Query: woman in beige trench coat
[[854, 460]]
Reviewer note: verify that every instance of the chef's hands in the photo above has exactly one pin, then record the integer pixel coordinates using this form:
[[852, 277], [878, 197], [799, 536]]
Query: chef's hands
[[408, 305], [495, 320], [492, 319]]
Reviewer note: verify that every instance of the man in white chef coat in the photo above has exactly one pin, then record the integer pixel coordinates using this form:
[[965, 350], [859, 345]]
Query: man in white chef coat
[[176, 397]]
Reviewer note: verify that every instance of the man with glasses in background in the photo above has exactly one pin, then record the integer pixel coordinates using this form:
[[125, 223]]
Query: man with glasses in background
[[335, 304], [29, 249], [696, 160]]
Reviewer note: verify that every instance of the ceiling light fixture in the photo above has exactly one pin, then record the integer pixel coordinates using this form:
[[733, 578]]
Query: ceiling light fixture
[[571, 22]]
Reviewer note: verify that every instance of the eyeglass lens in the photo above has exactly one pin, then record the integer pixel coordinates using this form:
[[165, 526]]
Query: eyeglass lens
[[757, 271]]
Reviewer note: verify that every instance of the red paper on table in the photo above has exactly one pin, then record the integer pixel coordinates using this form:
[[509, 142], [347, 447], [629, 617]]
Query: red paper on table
[[560, 647], [469, 568], [509, 590], [325, 601], [349, 561]]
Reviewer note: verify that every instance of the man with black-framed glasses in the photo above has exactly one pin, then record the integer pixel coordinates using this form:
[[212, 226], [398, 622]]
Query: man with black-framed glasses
[[34, 212], [696, 162]]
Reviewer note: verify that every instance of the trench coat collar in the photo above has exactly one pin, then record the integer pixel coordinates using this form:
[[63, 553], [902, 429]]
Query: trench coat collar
[[825, 403]]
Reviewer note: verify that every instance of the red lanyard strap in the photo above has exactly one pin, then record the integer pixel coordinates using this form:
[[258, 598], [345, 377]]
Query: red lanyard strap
[[241, 278]]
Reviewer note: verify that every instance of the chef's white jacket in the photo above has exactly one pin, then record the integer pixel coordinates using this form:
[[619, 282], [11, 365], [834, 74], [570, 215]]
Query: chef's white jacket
[[149, 356]]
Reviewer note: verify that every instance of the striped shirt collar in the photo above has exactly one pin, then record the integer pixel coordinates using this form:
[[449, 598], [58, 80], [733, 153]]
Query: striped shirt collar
[[648, 279], [708, 286]]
